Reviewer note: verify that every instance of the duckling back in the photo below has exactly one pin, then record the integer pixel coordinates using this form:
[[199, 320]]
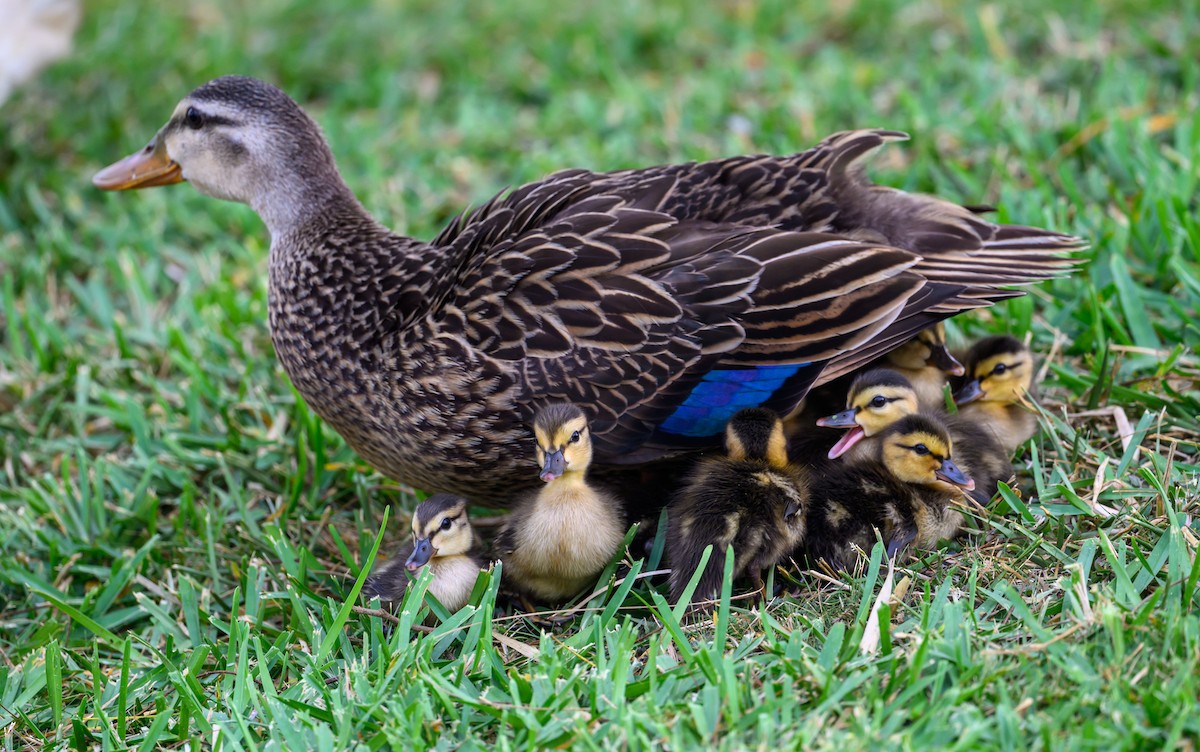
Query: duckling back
[[911, 493], [752, 499]]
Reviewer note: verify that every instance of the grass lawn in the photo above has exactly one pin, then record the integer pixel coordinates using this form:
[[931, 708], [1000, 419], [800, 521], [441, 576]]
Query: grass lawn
[[179, 534]]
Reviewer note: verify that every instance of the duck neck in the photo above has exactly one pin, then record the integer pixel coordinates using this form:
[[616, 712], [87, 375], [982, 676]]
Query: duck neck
[[295, 206]]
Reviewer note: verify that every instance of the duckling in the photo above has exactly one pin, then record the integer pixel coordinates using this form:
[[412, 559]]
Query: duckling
[[999, 375], [560, 539], [876, 399], [926, 362], [752, 499], [880, 397], [910, 492], [442, 540]]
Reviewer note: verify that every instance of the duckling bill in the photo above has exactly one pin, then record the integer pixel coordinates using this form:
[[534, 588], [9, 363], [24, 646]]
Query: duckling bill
[[558, 540], [444, 541], [752, 499]]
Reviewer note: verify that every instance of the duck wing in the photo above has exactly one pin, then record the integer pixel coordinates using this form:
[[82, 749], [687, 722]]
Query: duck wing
[[669, 298]]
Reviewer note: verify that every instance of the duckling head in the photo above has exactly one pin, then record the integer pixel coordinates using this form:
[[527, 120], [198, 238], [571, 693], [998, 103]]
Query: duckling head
[[927, 350], [564, 444], [239, 139], [440, 528], [877, 399], [1001, 370], [756, 434], [917, 449]]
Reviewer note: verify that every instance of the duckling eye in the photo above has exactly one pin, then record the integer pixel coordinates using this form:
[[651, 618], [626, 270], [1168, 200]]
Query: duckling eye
[[575, 438], [999, 369], [446, 523], [921, 449], [879, 401], [193, 118]]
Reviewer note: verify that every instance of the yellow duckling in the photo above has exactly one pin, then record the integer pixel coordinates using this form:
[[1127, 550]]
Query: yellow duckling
[[443, 541], [1000, 374], [752, 499], [877, 399], [881, 397], [926, 362], [558, 541], [911, 493]]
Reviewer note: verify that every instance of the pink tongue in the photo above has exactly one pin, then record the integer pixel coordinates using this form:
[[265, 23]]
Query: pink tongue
[[849, 439]]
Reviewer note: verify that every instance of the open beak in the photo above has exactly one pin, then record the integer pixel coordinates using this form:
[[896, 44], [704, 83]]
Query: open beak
[[950, 473], [421, 555], [848, 440], [968, 393], [555, 466], [940, 358], [147, 168]]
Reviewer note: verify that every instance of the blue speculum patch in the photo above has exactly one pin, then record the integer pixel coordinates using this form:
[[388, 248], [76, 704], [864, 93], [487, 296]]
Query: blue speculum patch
[[720, 394]]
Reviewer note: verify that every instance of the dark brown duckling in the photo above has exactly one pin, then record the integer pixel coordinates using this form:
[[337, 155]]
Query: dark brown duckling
[[557, 541], [912, 493], [999, 376], [751, 498], [443, 541]]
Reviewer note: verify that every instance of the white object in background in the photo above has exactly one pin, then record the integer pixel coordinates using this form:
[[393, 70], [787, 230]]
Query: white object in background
[[33, 33]]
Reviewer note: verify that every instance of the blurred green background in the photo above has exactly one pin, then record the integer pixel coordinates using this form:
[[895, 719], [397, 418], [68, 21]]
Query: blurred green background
[[157, 474]]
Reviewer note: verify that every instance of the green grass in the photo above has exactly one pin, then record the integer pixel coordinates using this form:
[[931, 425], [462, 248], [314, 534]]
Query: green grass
[[179, 534]]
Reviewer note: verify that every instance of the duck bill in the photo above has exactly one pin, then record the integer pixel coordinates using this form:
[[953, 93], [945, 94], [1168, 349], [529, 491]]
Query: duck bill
[[554, 467], [421, 555], [847, 442], [940, 358], [969, 392], [950, 473], [844, 419], [148, 168]]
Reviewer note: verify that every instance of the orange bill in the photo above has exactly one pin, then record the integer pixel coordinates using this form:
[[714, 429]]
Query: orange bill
[[147, 168]]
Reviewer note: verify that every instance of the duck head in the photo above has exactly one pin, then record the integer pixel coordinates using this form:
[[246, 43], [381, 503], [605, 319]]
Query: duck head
[[917, 449], [440, 528], [238, 139], [1000, 369], [876, 399], [564, 443]]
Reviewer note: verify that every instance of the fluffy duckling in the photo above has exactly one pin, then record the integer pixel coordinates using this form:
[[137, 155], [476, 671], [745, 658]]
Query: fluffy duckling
[[881, 397], [558, 541], [911, 492], [926, 362], [751, 499], [443, 541], [877, 399], [1000, 374]]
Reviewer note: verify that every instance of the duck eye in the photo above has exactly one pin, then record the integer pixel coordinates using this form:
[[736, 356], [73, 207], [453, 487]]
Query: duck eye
[[921, 449], [999, 369], [193, 118], [879, 401], [446, 523], [575, 438]]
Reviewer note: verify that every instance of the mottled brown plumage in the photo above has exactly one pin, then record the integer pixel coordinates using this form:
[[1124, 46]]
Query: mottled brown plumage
[[625, 292], [751, 499]]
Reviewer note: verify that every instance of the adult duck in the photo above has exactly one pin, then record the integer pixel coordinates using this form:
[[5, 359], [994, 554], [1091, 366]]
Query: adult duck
[[663, 299]]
